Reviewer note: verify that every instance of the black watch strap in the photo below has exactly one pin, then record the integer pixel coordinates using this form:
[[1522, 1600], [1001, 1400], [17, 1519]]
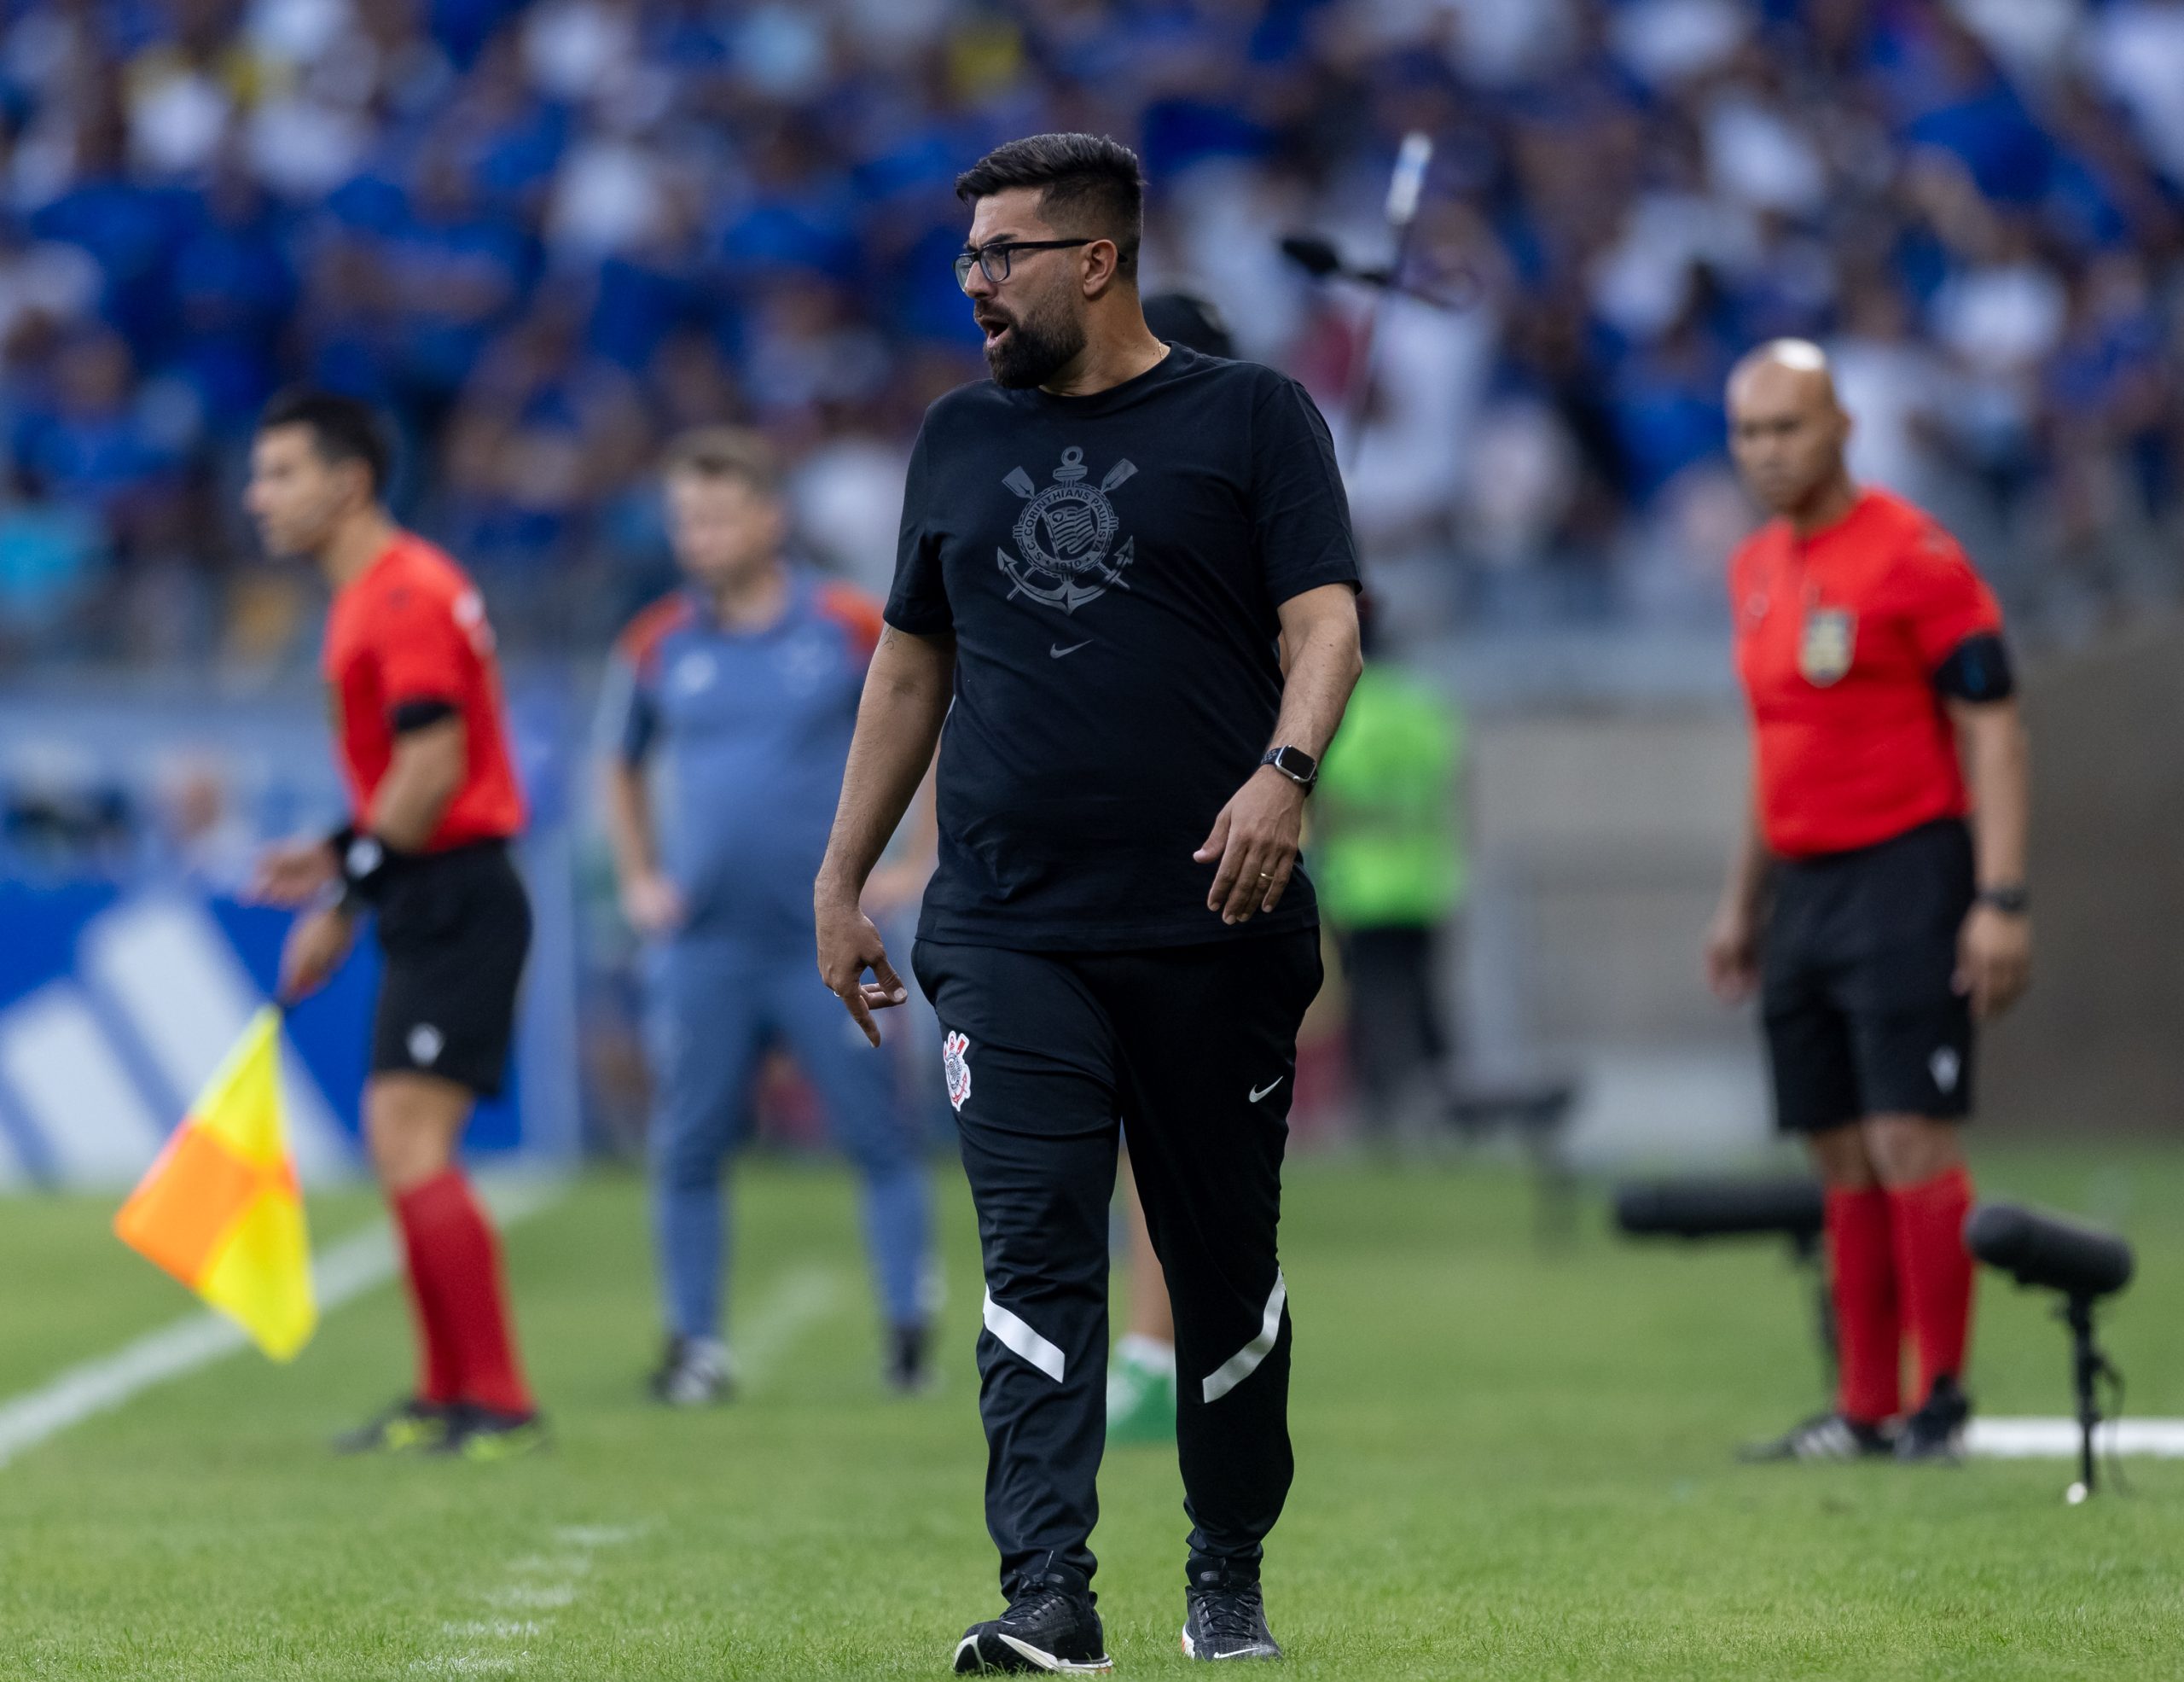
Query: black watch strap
[[2014, 898]]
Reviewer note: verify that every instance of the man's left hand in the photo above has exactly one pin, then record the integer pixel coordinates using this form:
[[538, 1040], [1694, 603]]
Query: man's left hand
[[1255, 839], [1993, 960]]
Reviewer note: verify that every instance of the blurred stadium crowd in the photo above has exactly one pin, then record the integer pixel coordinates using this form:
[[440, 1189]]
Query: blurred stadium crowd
[[546, 236]]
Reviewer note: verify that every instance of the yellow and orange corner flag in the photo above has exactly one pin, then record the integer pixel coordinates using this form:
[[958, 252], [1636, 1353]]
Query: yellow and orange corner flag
[[221, 1210]]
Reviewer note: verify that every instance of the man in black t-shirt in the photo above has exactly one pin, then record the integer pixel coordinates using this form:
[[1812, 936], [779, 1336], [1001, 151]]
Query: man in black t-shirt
[[1127, 585]]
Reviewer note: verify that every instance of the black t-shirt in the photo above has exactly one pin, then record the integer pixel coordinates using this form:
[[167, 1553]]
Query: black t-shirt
[[1111, 566]]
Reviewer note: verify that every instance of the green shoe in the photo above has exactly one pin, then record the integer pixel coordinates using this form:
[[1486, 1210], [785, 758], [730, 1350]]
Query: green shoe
[[484, 1435], [409, 1427], [1141, 1398]]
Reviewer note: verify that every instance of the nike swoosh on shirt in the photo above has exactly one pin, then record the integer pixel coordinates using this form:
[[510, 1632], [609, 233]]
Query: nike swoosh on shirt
[[1262, 1091], [1057, 651]]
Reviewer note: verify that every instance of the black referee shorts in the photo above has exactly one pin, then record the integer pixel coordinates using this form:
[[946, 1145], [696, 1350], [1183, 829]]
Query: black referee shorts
[[454, 926], [1862, 1016]]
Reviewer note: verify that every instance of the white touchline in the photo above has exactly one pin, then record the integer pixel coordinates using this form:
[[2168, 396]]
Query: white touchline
[[340, 1273], [2057, 1439]]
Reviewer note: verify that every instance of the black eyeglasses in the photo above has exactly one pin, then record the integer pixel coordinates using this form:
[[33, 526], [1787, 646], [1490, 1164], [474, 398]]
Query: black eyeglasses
[[993, 259]]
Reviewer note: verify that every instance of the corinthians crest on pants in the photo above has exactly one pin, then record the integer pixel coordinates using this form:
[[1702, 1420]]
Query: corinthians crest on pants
[[956, 1061], [1065, 537]]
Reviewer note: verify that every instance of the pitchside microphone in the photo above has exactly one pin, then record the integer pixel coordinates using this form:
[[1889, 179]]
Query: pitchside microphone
[[1720, 1209], [2047, 1251], [2050, 1253], [1697, 1209]]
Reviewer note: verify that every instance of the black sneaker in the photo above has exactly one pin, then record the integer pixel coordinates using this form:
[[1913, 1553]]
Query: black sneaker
[[409, 1427], [909, 1372], [694, 1372], [1825, 1437], [1050, 1625], [1225, 1618], [1934, 1435], [486, 1434]]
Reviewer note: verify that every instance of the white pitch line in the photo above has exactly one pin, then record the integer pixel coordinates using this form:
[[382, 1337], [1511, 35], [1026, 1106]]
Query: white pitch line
[[2060, 1440], [798, 1301], [340, 1273], [535, 1597]]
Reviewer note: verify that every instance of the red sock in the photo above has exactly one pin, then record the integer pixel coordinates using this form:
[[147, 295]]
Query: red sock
[[1935, 1271], [458, 1266], [436, 1363], [1862, 1278]]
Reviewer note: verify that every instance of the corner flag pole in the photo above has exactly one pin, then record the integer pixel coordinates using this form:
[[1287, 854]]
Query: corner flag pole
[[1404, 186]]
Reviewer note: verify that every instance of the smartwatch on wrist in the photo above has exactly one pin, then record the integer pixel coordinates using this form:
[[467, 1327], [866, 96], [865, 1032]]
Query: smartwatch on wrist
[[2012, 898], [1295, 764]]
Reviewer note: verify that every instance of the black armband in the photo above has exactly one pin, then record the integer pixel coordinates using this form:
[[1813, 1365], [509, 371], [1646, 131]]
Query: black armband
[[422, 713], [1977, 669], [365, 861]]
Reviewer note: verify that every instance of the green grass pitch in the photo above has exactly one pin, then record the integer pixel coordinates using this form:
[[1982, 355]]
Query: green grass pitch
[[1511, 1464]]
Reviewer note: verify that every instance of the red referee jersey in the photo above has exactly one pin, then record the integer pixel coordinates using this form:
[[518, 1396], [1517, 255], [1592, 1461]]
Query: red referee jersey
[[1838, 637], [411, 628]]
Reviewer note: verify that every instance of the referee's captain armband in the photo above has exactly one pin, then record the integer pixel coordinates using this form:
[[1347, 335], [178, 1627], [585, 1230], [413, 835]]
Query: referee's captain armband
[[1977, 669]]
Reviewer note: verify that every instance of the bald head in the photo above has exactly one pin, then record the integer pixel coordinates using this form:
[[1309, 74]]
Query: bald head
[[1787, 431]]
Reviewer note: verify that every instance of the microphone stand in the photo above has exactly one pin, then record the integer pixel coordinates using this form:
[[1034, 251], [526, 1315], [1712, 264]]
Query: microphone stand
[[2088, 1366], [1804, 1252], [1403, 188]]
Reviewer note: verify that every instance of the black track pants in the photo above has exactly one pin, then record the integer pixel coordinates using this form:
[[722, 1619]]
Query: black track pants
[[1193, 1052]]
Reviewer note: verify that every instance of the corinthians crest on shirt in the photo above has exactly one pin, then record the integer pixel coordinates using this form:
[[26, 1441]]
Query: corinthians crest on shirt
[[1830, 639], [1065, 553]]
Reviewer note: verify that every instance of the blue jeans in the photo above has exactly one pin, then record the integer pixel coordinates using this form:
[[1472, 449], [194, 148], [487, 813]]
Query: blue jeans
[[715, 1005]]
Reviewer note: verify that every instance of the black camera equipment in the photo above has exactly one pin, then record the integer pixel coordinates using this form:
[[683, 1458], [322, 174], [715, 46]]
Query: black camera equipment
[[2046, 1252], [1536, 1115], [1789, 1207]]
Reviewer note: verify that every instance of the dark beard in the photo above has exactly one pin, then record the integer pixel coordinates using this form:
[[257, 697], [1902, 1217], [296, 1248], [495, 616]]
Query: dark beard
[[1034, 350]]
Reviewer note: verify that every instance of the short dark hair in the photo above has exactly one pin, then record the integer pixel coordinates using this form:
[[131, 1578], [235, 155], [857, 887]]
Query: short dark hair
[[1088, 182], [726, 452], [342, 429]]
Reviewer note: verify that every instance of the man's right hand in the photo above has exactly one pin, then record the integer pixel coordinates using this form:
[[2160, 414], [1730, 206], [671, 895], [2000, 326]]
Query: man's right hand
[[849, 944], [293, 873], [653, 904], [1733, 954]]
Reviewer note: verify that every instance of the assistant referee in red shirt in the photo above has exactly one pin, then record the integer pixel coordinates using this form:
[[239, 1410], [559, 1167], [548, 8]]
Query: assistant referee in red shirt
[[415, 693], [1877, 923]]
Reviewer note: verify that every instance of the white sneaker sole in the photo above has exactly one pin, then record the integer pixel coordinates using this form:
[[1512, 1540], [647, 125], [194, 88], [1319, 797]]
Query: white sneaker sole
[[1031, 1655], [1190, 1651]]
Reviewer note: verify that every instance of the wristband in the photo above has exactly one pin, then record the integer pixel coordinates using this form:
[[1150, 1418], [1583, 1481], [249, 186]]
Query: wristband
[[365, 861], [2012, 898]]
